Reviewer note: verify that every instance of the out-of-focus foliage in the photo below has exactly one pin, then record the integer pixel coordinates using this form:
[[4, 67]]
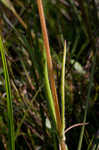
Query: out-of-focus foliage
[[75, 21]]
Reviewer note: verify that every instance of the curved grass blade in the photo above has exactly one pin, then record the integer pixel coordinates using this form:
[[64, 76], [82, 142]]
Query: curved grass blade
[[11, 137]]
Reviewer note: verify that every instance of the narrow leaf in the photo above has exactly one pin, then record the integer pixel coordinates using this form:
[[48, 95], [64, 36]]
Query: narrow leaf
[[11, 137], [63, 89]]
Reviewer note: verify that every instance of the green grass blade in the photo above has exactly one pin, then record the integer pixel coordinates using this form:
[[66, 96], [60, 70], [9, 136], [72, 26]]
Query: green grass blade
[[48, 90], [90, 143], [63, 89], [86, 109], [11, 137], [50, 102]]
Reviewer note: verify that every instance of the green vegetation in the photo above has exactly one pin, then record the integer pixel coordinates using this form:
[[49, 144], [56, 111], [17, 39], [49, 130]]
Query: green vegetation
[[49, 66], [9, 100]]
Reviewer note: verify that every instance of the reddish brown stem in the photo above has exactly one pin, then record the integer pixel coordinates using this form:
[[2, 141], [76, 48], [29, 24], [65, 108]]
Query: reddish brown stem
[[62, 145], [49, 63]]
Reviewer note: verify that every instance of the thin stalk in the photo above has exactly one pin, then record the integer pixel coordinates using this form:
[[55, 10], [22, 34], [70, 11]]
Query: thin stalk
[[49, 64], [86, 109], [75, 125], [11, 136], [63, 89]]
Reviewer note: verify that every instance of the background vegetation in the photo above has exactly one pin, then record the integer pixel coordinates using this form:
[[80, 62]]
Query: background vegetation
[[77, 22]]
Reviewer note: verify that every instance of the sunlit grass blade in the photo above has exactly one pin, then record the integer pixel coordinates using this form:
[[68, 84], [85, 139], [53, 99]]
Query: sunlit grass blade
[[63, 89], [11, 136], [87, 101]]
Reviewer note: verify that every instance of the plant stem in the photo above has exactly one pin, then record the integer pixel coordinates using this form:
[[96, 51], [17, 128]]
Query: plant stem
[[49, 64], [63, 90], [62, 145]]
